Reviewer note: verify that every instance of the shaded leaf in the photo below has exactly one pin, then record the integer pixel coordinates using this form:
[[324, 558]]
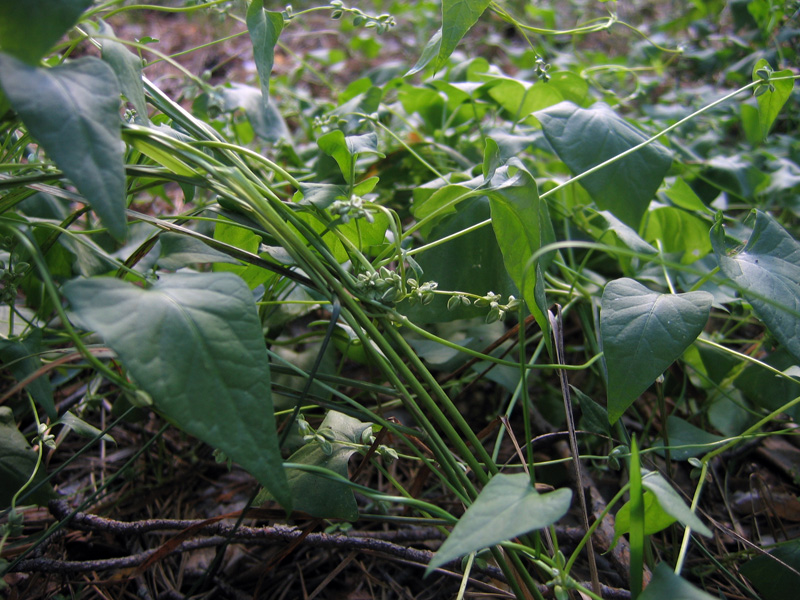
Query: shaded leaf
[[178, 251], [768, 271], [586, 137], [19, 357], [72, 111], [17, 462], [678, 231], [318, 496], [682, 433], [643, 332], [29, 29], [193, 342], [507, 507], [772, 579], [128, 69], [665, 585]]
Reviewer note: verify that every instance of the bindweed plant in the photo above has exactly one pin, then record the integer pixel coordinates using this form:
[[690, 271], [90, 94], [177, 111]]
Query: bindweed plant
[[426, 230]]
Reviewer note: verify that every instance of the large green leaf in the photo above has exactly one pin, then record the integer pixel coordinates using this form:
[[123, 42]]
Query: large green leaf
[[678, 231], [315, 494], [586, 137], [345, 149], [507, 507], [265, 27], [767, 270], [128, 69], [17, 461], [655, 517], [643, 332], [458, 17], [665, 585], [29, 29], [73, 112], [193, 342]]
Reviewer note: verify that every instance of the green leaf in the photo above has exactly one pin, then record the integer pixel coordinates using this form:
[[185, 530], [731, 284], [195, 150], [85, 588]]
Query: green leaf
[[682, 433], [594, 417], [665, 585], [586, 137], [770, 102], [655, 517], [19, 357], [751, 124], [29, 29], [264, 117], [773, 580], [178, 251], [345, 149], [507, 507], [767, 270], [672, 503], [458, 17], [636, 522], [128, 69], [522, 98], [17, 462], [193, 342], [643, 332], [684, 196], [231, 233], [265, 28], [82, 428], [73, 112], [521, 223], [319, 496], [679, 232], [429, 52]]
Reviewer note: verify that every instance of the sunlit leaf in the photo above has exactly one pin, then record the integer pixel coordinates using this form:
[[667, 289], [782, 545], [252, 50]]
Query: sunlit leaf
[[458, 17]]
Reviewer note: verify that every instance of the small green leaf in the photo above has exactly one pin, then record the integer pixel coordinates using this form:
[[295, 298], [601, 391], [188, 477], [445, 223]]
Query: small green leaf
[[73, 112], [507, 507], [694, 440], [665, 585], [178, 251], [230, 233], [194, 343], [82, 428], [679, 232], [265, 27], [29, 29], [771, 102], [586, 137], [643, 332], [458, 17], [345, 150], [320, 497], [672, 503], [429, 52], [20, 357], [684, 196], [128, 69], [655, 517], [17, 461]]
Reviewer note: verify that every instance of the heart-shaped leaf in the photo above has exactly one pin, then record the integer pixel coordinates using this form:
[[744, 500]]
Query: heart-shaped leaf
[[586, 137], [72, 111], [507, 507], [643, 332], [767, 270], [193, 342], [458, 17]]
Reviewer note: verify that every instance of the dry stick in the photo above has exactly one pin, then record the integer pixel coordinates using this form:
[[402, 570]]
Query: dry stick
[[556, 326]]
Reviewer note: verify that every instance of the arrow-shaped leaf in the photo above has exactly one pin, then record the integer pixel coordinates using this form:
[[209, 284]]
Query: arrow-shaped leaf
[[643, 332], [193, 342]]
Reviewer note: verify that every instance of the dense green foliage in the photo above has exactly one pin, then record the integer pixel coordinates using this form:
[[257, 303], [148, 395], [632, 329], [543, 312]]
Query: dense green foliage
[[639, 223]]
